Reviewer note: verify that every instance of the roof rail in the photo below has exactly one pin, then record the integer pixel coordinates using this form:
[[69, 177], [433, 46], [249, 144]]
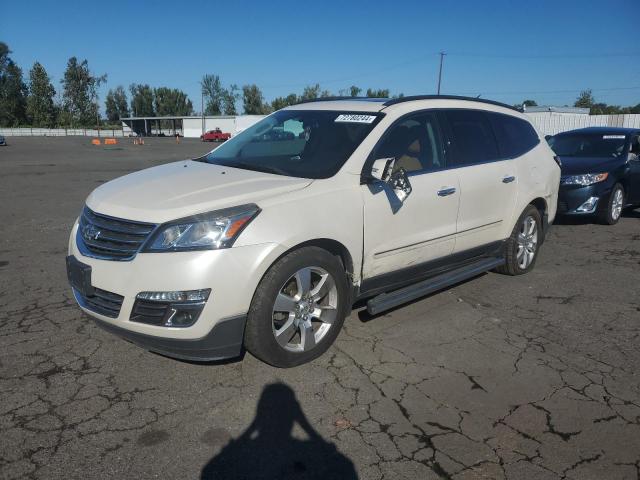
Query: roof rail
[[332, 99], [395, 101], [323, 99]]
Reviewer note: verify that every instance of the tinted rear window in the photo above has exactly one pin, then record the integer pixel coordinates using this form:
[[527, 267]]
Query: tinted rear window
[[473, 137], [515, 136]]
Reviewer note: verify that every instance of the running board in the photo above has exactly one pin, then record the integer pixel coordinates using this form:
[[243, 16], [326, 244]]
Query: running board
[[385, 301]]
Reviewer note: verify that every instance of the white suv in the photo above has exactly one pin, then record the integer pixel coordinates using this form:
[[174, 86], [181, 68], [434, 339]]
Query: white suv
[[268, 241]]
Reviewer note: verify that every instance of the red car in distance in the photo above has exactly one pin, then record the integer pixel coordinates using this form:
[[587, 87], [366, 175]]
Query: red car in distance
[[215, 135]]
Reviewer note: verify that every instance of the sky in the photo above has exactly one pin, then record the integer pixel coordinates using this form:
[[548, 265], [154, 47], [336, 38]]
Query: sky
[[503, 50]]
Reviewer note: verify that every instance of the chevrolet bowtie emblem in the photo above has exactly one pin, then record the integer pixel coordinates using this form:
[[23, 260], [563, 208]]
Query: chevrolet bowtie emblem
[[90, 232]]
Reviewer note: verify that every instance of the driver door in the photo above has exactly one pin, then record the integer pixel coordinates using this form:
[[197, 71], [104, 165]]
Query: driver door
[[633, 195], [399, 235]]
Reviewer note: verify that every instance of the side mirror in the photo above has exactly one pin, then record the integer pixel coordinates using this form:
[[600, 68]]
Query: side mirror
[[548, 137], [382, 170]]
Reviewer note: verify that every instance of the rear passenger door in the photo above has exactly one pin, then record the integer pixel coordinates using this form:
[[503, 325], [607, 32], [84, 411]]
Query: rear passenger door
[[488, 181], [633, 195]]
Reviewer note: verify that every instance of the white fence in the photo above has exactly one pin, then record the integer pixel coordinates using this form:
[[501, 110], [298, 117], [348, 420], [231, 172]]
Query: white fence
[[550, 123], [547, 123], [60, 132]]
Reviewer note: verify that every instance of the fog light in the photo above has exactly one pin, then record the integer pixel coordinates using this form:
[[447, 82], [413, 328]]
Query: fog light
[[169, 309], [589, 206], [183, 296], [182, 315]]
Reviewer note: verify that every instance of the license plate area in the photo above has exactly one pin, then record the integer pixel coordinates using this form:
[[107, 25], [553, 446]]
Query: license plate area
[[79, 275]]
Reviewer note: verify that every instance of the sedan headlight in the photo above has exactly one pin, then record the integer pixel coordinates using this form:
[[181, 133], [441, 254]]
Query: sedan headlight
[[584, 180], [209, 231]]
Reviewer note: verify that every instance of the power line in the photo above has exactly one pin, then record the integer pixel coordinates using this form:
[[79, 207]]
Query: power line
[[546, 55], [524, 92]]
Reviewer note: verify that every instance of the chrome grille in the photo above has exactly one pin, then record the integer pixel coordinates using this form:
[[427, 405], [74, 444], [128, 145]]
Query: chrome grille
[[102, 302], [107, 238]]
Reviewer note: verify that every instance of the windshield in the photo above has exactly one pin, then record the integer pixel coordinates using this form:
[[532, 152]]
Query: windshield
[[297, 143], [588, 145]]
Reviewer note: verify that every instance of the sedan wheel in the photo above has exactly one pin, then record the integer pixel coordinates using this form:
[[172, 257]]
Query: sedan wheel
[[617, 204]]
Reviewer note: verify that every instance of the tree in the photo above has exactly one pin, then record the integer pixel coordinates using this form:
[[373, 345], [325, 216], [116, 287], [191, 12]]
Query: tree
[[530, 103], [214, 94], [354, 91], [80, 93], [141, 100], [230, 96], [585, 99], [282, 102], [13, 91], [382, 93], [172, 102], [253, 100], [310, 92], [116, 104], [41, 109]]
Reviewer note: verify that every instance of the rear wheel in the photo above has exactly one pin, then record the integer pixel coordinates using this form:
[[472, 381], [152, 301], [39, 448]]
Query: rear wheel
[[298, 308], [521, 249], [613, 210]]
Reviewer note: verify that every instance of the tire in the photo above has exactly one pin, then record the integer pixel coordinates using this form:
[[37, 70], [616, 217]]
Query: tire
[[278, 332], [523, 245], [611, 214]]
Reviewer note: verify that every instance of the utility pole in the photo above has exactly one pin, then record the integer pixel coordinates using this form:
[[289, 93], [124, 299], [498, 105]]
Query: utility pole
[[442, 54], [202, 109]]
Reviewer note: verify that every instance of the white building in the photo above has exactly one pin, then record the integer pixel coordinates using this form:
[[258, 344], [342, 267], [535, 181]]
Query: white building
[[189, 126]]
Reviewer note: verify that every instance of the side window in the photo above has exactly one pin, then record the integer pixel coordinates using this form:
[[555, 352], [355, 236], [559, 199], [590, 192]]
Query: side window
[[515, 136], [473, 137], [415, 142]]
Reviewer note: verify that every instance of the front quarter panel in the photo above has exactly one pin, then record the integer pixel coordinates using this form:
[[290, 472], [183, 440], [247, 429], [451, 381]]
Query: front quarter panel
[[326, 209]]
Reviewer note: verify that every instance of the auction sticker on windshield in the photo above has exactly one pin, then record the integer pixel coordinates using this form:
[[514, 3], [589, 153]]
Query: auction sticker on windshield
[[352, 118]]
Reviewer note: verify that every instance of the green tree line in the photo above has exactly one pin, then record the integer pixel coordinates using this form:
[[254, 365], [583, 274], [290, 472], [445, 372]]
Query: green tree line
[[586, 100], [36, 102]]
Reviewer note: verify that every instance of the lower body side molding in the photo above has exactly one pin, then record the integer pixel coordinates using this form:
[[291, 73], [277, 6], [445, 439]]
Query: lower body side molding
[[388, 300]]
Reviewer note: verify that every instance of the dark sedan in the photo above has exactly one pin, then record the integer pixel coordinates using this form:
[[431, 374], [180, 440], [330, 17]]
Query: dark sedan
[[600, 171]]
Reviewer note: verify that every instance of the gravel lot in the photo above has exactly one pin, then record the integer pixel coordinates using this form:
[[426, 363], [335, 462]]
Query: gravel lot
[[500, 377]]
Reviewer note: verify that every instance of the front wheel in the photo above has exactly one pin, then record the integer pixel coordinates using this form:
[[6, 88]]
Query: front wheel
[[521, 249], [298, 308], [613, 210]]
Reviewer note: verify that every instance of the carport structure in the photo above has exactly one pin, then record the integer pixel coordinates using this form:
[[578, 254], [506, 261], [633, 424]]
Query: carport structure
[[147, 126]]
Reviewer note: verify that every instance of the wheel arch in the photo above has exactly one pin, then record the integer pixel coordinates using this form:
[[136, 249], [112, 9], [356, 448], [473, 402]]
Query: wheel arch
[[332, 246], [542, 207]]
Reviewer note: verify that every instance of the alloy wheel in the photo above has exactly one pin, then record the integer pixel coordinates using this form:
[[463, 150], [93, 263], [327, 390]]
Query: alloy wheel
[[616, 204], [305, 309], [527, 242]]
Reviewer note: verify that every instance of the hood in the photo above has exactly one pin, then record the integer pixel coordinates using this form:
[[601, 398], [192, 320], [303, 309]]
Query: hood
[[180, 189], [580, 165]]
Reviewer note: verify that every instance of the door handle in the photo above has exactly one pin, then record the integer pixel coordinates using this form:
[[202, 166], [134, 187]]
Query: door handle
[[446, 191], [508, 179]]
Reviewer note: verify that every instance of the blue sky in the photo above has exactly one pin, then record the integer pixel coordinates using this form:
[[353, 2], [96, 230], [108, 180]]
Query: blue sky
[[504, 50]]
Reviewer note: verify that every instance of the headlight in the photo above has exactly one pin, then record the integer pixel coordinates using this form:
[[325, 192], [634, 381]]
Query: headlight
[[209, 231], [586, 179]]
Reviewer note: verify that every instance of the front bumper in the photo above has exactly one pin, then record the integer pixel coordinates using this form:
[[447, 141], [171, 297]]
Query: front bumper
[[222, 342], [232, 275], [572, 197]]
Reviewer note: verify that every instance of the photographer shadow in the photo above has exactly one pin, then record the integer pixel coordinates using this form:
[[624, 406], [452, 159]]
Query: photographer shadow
[[267, 449]]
